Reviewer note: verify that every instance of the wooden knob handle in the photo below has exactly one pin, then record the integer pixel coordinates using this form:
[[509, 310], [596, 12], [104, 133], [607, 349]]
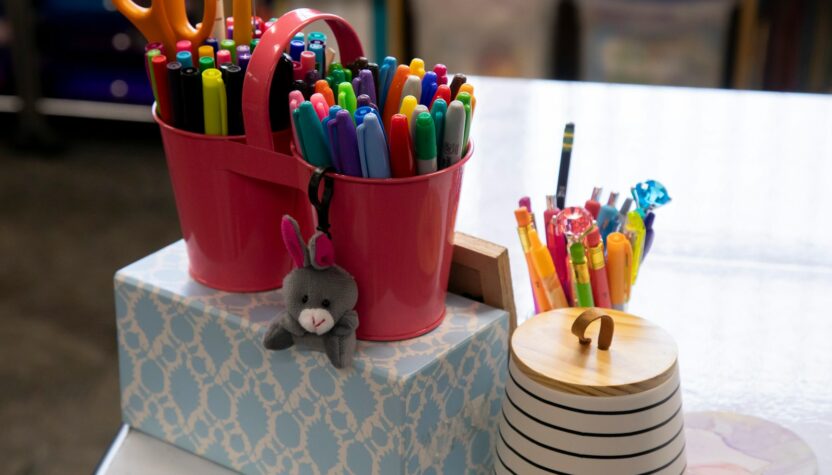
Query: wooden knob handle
[[589, 316]]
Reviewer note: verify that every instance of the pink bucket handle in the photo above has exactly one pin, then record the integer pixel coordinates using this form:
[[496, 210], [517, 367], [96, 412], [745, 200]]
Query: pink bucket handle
[[262, 66]]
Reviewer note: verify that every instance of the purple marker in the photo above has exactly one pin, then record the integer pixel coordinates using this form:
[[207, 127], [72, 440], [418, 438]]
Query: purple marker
[[364, 100], [649, 234], [344, 143], [242, 61], [366, 84]]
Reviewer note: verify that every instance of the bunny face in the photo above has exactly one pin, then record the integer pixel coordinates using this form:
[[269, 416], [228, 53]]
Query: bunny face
[[318, 298]]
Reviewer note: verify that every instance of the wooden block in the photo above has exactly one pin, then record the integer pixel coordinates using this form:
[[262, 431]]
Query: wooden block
[[480, 271]]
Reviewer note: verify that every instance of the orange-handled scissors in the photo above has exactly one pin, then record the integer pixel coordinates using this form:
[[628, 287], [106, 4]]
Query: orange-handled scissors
[[167, 21]]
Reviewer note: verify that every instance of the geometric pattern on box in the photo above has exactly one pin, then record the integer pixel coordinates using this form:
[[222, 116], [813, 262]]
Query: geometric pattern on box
[[194, 373]]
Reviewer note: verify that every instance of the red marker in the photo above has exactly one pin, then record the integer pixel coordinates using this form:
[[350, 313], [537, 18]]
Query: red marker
[[307, 62], [186, 45], [592, 205], [401, 152], [441, 75], [223, 56], [442, 92], [597, 270], [160, 73]]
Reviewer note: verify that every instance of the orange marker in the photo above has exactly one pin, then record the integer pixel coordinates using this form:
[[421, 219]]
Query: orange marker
[[469, 88], [524, 225], [322, 87], [545, 268], [394, 94], [619, 269]]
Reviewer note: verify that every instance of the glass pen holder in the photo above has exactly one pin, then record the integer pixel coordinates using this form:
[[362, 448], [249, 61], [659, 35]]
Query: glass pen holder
[[395, 236]]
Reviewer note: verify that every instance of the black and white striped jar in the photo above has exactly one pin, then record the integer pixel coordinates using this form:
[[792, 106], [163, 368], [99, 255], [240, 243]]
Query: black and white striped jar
[[574, 408]]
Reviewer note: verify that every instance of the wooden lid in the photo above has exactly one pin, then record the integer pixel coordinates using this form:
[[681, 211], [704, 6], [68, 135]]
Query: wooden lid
[[640, 357]]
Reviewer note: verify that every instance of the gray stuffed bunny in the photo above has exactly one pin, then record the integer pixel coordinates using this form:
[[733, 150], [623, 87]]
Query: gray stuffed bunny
[[320, 299]]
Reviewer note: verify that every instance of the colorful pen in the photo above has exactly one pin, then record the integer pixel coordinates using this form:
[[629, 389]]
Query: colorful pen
[[441, 75], [425, 144], [438, 111], [160, 75], [279, 115], [223, 57], [565, 158], [343, 142], [386, 72], [372, 147], [619, 269], [232, 76], [417, 68], [206, 62], [465, 99], [322, 87], [649, 233], [192, 100], [206, 51], [409, 103], [456, 83], [346, 97], [443, 91], [545, 268], [635, 231], [295, 100], [320, 105], [592, 205], [333, 155], [318, 50], [242, 10], [401, 152], [469, 88], [429, 86], [185, 58], [608, 217], [175, 85], [583, 286], [524, 225], [231, 47], [366, 84], [214, 103], [393, 102], [412, 87], [597, 269], [415, 114], [454, 133], [296, 47], [311, 135]]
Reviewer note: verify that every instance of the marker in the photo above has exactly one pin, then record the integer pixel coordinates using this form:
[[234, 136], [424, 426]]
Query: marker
[[635, 231], [303, 87], [214, 103], [253, 44], [524, 225], [232, 76], [229, 32], [223, 57], [213, 43], [549, 223], [343, 142], [425, 144], [386, 72], [185, 58], [360, 63], [362, 112], [469, 88], [279, 94], [560, 257], [581, 275], [372, 147], [295, 99], [366, 84], [316, 37], [311, 135], [149, 55], [307, 62], [592, 205], [454, 133], [438, 111], [160, 74], [393, 102], [409, 103], [206, 51], [296, 47], [456, 83], [622, 213], [319, 105], [465, 99], [545, 269], [441, 74], [331, 115], [242, 26], [243, 60], [364, 101], [174, 73], [597, 269], [219, 21], [565, 158], [206, 62], [443, 91], [317, 50], [608, 217], [192, 100], [401, 154], [417, 67], [413, 116], [231, 47], [619, 269], [241, 49], [429, 86], [412, 87], [311, 78], [649, 234], [185, 45], [336, 73], [346, 97], [374, 70]]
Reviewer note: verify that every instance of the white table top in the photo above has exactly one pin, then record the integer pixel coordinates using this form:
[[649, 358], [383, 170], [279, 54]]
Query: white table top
[[741, 267]]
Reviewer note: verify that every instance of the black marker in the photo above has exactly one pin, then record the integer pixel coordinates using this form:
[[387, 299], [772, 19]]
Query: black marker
[[192, 100], [232, 76], [175, 86]]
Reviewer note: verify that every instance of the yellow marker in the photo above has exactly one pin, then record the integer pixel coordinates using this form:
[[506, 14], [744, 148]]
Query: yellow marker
[[215, 109], [545, 268], [417, 67], [469, 88], [635, 231], [409, 103], [206, 51]]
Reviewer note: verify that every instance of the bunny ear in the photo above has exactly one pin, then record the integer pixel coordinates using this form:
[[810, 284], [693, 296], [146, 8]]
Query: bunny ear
[[321, 251], [294, 242]]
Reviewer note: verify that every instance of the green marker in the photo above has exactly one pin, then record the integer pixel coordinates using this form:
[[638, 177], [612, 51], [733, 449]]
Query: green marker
[[438, 111], [581, 275], [425, 144], [150, 55], [205, 62], [231, 46], [465, 99], [346, 97], [311, 135], [253, 44]]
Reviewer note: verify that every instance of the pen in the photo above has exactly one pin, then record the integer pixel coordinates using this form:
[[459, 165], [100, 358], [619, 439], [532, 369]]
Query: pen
[[214, 103], [346, 97], [331, 115], [412, 87], [206, 51], [223, 57], [635, 232], [622, 214], [150, 75], [425, 144], [296, 47], [192, 100], [206, 62], [413, 116], [401, 154], [316, 37], [311, 135], [469, 88], [344, 143], [185, 45], [454, 133], [366, 84], [243, 60], [386, 72], [362, 112], [438, 111], [372, 147], [409, 103], [456, 83], [320, 105], [307, 63], [465, 99], [542, 261], [608, 217], [231, 47], [242, 25], [232, 76], [213, 43], [175, 85], [561, 260], [241, 49], [597, 269], [443, 91], [565, 158], [295, 99], [441, 75], [524, 221], [301, 86], [318, 50], [417, 68], [374, 70], [581, 276], [429, 86], [619, 262], [364, 100], [649, 234], [162, 88], [322, 87], [253, 44], [392, 104], [279, 94], [592, 205], [360, 63], [526, 202]]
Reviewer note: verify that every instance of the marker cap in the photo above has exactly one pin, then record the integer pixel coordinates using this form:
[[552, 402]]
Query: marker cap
[[425, 137], [539, 253], [523, 217]]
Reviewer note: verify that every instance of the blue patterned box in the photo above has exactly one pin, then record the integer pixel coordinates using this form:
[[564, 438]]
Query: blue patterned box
[[193, 373]]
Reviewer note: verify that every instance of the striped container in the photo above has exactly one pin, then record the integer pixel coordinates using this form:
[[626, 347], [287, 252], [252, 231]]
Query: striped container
[[575, 407]]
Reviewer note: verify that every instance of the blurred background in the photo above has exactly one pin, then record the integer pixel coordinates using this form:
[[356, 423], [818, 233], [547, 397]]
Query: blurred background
[[84, 189]]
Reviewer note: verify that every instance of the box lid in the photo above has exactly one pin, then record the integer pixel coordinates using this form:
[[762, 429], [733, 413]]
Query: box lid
[[549, 349]]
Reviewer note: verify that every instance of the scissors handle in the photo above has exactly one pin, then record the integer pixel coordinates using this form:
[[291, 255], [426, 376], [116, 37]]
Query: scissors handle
[[151, 21], [182, 27]]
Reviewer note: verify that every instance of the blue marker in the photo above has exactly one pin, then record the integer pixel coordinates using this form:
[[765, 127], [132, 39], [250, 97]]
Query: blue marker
[[296, 47], [372, 148], [320, 60], [385, 77], [332, 112], [429, 86], [184, 57]]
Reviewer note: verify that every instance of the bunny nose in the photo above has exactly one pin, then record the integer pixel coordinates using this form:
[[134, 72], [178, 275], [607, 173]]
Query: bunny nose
[[316, 320]]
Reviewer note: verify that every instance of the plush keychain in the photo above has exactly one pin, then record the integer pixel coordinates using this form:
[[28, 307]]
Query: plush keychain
[[320, 299]]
